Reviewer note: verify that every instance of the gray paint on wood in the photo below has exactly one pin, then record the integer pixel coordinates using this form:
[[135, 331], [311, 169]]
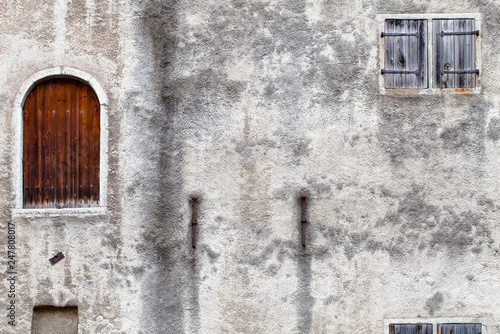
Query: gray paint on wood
[[406, 53], [459, 329], [453, 53], [410, 329], [389, 54]]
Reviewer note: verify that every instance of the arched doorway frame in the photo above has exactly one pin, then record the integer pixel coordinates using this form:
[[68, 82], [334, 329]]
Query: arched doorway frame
[[25, 89]]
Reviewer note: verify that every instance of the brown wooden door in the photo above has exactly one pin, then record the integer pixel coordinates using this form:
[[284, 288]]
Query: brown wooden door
[[61, 146]]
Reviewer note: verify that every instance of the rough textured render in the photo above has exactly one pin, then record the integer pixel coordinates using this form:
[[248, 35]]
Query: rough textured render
[[249, 104]]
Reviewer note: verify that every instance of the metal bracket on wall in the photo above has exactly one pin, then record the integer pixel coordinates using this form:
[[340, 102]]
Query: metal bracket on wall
[[194, 221], [58, 257], [303, 220]]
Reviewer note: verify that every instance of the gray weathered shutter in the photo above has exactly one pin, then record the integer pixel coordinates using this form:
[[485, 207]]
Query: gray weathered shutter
[[459, 329], [405, 54], [410, 329], [454, 52]]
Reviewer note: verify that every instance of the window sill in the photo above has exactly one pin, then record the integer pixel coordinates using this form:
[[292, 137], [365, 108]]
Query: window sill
[[32, 213]]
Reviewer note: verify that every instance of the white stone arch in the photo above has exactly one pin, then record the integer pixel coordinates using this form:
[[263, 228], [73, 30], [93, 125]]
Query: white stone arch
[[25, 89]]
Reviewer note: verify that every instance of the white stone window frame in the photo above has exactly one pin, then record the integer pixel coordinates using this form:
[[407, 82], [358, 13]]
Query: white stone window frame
[[381, 18], [435, 322], [25, 89]]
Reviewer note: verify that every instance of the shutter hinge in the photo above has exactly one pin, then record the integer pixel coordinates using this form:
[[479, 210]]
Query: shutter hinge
[[444, 33], [383, 71], [476, 71], [384, 34]]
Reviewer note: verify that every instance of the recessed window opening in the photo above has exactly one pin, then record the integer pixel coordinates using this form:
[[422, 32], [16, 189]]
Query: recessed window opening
[[54, 320]]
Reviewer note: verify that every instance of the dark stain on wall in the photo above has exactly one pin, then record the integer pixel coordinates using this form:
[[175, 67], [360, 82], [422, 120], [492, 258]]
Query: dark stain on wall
[[407, 132], [305, 300], [494, 129], [434, 303], [172, 268], [6, 192], [350, 242], [468, 134], [422, 226], [304, 257]]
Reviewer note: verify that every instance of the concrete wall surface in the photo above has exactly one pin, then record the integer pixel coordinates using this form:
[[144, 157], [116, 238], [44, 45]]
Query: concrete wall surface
[[248, 104]]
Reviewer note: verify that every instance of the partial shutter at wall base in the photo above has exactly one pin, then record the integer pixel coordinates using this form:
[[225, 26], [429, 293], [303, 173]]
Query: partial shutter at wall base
[[410, 329], [459, 329]]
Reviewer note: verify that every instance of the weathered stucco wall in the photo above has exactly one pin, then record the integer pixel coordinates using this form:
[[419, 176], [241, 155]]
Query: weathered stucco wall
[[249, 104]]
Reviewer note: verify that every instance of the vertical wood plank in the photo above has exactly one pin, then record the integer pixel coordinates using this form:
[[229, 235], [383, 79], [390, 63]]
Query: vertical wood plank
[[84, 147], [60, 124], [460, 55], [422, 54], [404, 51], [26, 161], [389, 54], [46, 148], [470, 52], [29, 157], [73, 88], [447, 53], [67, 175], [95, 147], [412, 56], [399, 57], [437, 46], [411, 52], [39, 143], [453, 27], [76, 100], [50, 158], [467, 62], [88, 134]]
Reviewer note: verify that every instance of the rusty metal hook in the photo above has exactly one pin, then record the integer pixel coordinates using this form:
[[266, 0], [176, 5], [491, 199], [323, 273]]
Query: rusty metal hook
[[194, 221], [303, 198]]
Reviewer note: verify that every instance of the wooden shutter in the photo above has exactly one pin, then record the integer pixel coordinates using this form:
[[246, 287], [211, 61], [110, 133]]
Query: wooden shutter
[[410, 329], [61, 146], [459, 329], [405, 44], [454, 64]]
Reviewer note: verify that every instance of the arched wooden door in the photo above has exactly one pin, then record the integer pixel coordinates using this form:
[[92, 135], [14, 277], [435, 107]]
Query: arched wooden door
[[61, 145]]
